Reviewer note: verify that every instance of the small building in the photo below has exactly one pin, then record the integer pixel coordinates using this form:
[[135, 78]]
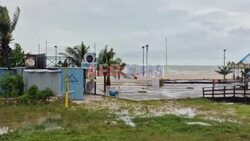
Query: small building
[[43, 78], [55, 80]]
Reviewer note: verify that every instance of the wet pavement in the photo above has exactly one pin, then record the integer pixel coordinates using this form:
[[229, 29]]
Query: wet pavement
[[168, 91]]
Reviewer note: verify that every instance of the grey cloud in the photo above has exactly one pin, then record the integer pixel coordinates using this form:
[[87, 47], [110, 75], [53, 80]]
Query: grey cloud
[[240, 32], [198, 30]]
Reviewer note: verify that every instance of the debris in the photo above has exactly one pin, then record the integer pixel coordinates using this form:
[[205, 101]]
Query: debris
[[199, 123], [5, 130], [126, 118], [189, 112]]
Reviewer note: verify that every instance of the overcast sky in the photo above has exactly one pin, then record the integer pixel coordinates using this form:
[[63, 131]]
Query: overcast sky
[[197, 30]]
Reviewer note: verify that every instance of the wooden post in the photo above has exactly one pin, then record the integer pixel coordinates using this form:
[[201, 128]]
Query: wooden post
[[203, 92], [224, 92], [244, 92], [234, 91], [212, 92]]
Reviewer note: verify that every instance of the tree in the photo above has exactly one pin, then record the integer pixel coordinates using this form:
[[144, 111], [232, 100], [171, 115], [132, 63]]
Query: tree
[[75, 55], [17, 56], [64, 63], [224, 70], [107, 60], [245, 76], [7, 26]]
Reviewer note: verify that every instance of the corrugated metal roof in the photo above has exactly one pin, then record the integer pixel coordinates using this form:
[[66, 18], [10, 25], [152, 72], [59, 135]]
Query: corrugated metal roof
[[42, 70]]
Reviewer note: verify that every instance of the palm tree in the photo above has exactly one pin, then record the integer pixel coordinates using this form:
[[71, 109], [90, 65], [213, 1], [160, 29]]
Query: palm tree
[[245, 76], [118, 70], [75, 55], [224, 70], [7, 26], [106, 60]]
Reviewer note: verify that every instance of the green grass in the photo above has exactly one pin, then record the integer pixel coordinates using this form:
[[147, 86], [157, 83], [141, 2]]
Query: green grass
[[52, 122]]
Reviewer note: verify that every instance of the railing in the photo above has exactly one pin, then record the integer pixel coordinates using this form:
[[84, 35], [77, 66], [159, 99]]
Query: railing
[[54, 60], [225, 92]]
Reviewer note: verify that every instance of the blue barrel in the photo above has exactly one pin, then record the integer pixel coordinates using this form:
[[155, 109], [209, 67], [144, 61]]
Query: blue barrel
[[113, 92]]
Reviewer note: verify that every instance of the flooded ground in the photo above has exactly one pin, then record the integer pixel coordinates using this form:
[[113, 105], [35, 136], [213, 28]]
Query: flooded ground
[[168, 91]]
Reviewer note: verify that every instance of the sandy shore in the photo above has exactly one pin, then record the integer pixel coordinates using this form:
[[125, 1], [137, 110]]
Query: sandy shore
[[193, 75]]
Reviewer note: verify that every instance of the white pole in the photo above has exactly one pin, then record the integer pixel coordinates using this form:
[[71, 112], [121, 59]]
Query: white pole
[[166, 56]]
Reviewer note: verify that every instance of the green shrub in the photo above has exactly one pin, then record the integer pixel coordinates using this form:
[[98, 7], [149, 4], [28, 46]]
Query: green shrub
[[45, 94], [34, 95], [12, 85]]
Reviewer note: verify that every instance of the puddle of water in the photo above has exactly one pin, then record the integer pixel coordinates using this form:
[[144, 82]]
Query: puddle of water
[[221, 119], [199, 123], [52, 126], [188, 112], [126, 118], [5, 130]]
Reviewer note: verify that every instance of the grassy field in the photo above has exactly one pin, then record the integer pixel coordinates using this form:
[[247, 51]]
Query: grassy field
[[106, 119]]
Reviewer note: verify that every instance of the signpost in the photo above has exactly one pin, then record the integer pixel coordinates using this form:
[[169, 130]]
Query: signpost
[[89, 63]]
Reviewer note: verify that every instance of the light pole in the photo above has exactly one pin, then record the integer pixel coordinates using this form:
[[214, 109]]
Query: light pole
[[224, 57], [147, 46], [55, 55], [166, 53], [143, 69]]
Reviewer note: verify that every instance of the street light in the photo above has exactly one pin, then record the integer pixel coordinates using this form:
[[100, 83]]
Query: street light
[[224, 57], [143, 61], [147, 46], [55, 55]]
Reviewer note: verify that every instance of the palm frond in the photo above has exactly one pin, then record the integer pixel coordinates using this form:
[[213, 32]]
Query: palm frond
[[5, 22], [15, 19], [76, 54]]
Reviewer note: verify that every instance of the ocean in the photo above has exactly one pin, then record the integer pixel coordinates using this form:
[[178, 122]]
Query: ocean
[[192, 72]]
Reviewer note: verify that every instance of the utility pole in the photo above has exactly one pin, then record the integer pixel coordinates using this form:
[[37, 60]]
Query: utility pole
[[143, 71]]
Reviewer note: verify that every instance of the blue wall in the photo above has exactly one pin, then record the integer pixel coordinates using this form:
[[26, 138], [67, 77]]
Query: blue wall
[[75, 82]]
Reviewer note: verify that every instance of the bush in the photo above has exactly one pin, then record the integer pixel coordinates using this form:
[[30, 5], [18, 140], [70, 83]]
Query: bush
[[34, 95], [12, 85], [45, 94]]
